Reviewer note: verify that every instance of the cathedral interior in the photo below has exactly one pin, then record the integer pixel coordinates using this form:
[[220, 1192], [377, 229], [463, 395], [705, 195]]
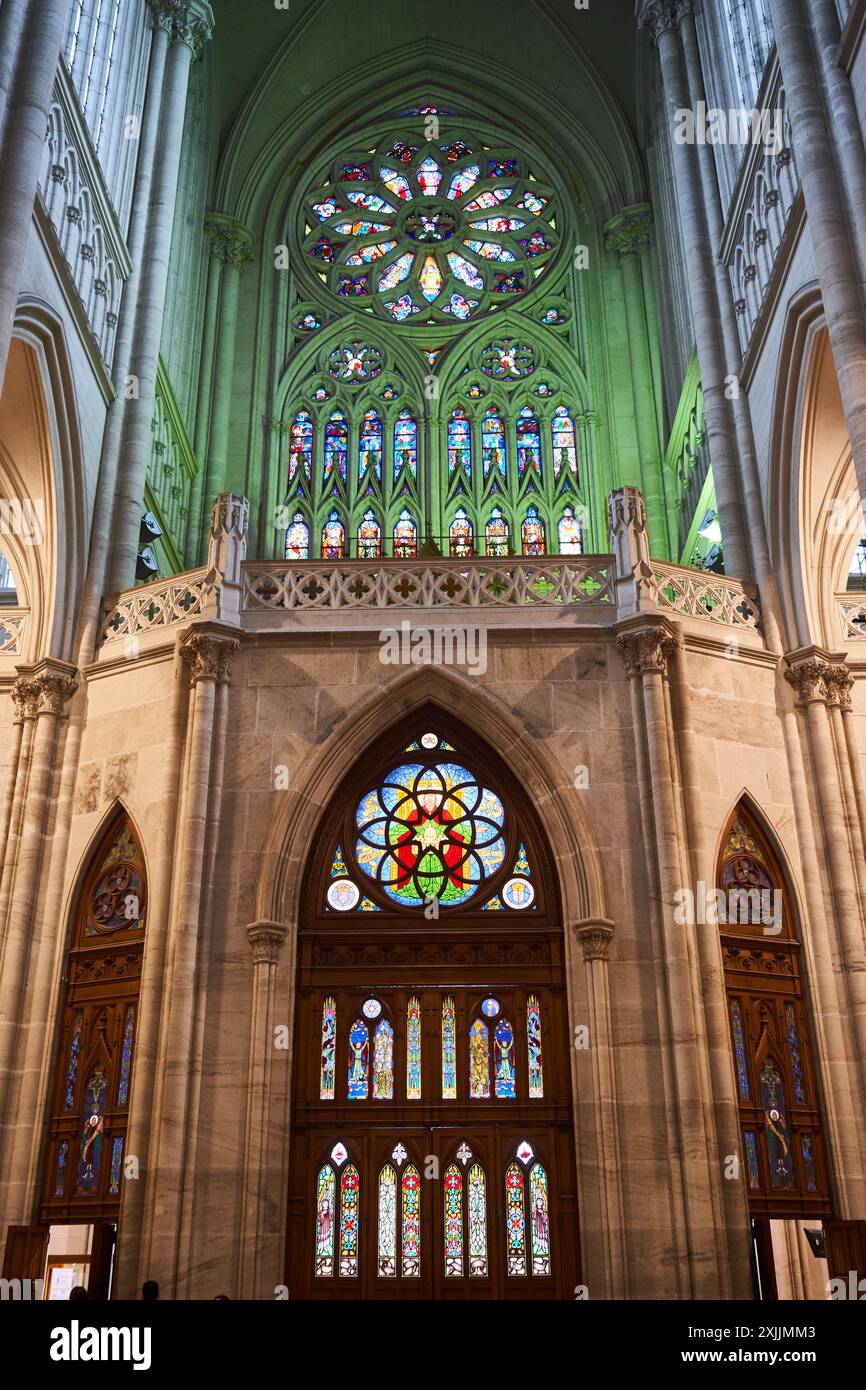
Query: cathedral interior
[[433, 649]]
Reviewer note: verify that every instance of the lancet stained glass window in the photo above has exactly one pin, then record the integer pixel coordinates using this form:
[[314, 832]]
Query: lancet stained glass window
[[477, 1190], [413, 1049], [388, 1222], [411, 1223], [449, 1049], [453, 1188], [533, 1042], [350, 1194], [359, 1060], [383, 1061], [515, 1221], [329, 1042]]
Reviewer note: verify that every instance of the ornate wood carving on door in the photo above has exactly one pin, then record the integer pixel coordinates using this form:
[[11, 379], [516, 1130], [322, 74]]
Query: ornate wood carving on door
[[93, 1072], [432, 1137]]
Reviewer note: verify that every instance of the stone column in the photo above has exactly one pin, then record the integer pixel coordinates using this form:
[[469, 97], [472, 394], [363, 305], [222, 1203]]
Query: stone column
[[95, 584], [13, 18], [42, 694], [627, 236], [830, 233], [231, 245], [847, 132], [822, 682], [647, 645], [194, 523], [255, 1258], [26, 119], [208, 650], [661, 19], [595, 935], [189, 23]]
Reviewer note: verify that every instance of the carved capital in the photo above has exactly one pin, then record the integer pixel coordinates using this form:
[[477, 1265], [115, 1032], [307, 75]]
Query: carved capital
[[266, 939], [45, 688], [660, 17], [629, 234], [595, 935], [208, 654], [184, 21], [648, 646], [230, 241], [820, 677]]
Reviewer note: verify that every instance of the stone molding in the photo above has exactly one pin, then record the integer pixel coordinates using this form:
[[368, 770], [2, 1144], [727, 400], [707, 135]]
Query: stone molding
[[266, 939], [819, 677], [209, 653], [648, 645], [595, 935]]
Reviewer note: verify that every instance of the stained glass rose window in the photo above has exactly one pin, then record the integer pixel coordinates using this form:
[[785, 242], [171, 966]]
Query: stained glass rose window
[[430, 230], [430, 831]]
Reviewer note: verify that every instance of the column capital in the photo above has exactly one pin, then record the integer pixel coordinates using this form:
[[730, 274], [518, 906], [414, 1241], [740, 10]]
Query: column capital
[[659, 17], [208, 650], [231, 242], [45, 688], [595, 935], [184, 21], [648, 645], [266, 939], [820, 677], [629, 233]]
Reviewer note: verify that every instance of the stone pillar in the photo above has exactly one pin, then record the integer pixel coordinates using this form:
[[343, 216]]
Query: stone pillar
[[194, 522], [830, 233], [847, 133], [26, 119], [13, 18], [822, 683], [231, 245], [189, 24], [109, 462], [595, 935], [262, 1207], [208, 650], [661, 19], [647, 645], [627, 236], [42, 693]]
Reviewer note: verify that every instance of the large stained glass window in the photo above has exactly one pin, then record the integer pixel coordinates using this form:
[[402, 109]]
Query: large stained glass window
[[350, 1195], [413, 1049], [359, 1060], [430, 832], [533, 1043], [503, 1060], [515, 1221], [477, 1192], [539, 1218], [388, 1222], [454, 229], [325, 1222], [453, 1188], [329, 1043], [383, 1061], [479, 1061], [411, 1223], [449, 1049]]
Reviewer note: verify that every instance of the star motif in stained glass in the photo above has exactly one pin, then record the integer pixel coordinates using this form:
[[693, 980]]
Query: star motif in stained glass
[[464, 1153], [430, 835], [525, 1152], [399, 1155]]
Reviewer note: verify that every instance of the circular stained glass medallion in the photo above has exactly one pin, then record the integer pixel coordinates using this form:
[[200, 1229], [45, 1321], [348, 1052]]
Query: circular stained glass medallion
[[490, 1008], [371, 1008], [518, 893], [430, 832], [343, 895]]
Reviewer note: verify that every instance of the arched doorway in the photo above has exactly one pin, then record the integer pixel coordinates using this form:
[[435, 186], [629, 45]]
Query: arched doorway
[[432, 1133], [783, 1150]]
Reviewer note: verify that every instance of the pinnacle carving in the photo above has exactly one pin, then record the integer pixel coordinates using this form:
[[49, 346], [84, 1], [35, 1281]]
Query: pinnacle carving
[[818, 679], [209, 656], [648, 649]]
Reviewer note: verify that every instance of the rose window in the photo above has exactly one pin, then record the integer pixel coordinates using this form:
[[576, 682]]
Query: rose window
[[433, 231], [430, 831]]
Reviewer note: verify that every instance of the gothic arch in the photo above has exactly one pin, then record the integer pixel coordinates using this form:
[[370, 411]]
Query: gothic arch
[[42, 467], [815, 518], [290, 841]]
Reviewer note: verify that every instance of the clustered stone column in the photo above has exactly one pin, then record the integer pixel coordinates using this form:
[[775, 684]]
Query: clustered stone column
[[661, 19], [648, 646], [259, 1200], [188, 25], [823, 682], [40, 695], [231, 249], [831, 234], [208, 650], [595, 936], [628, 236]]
